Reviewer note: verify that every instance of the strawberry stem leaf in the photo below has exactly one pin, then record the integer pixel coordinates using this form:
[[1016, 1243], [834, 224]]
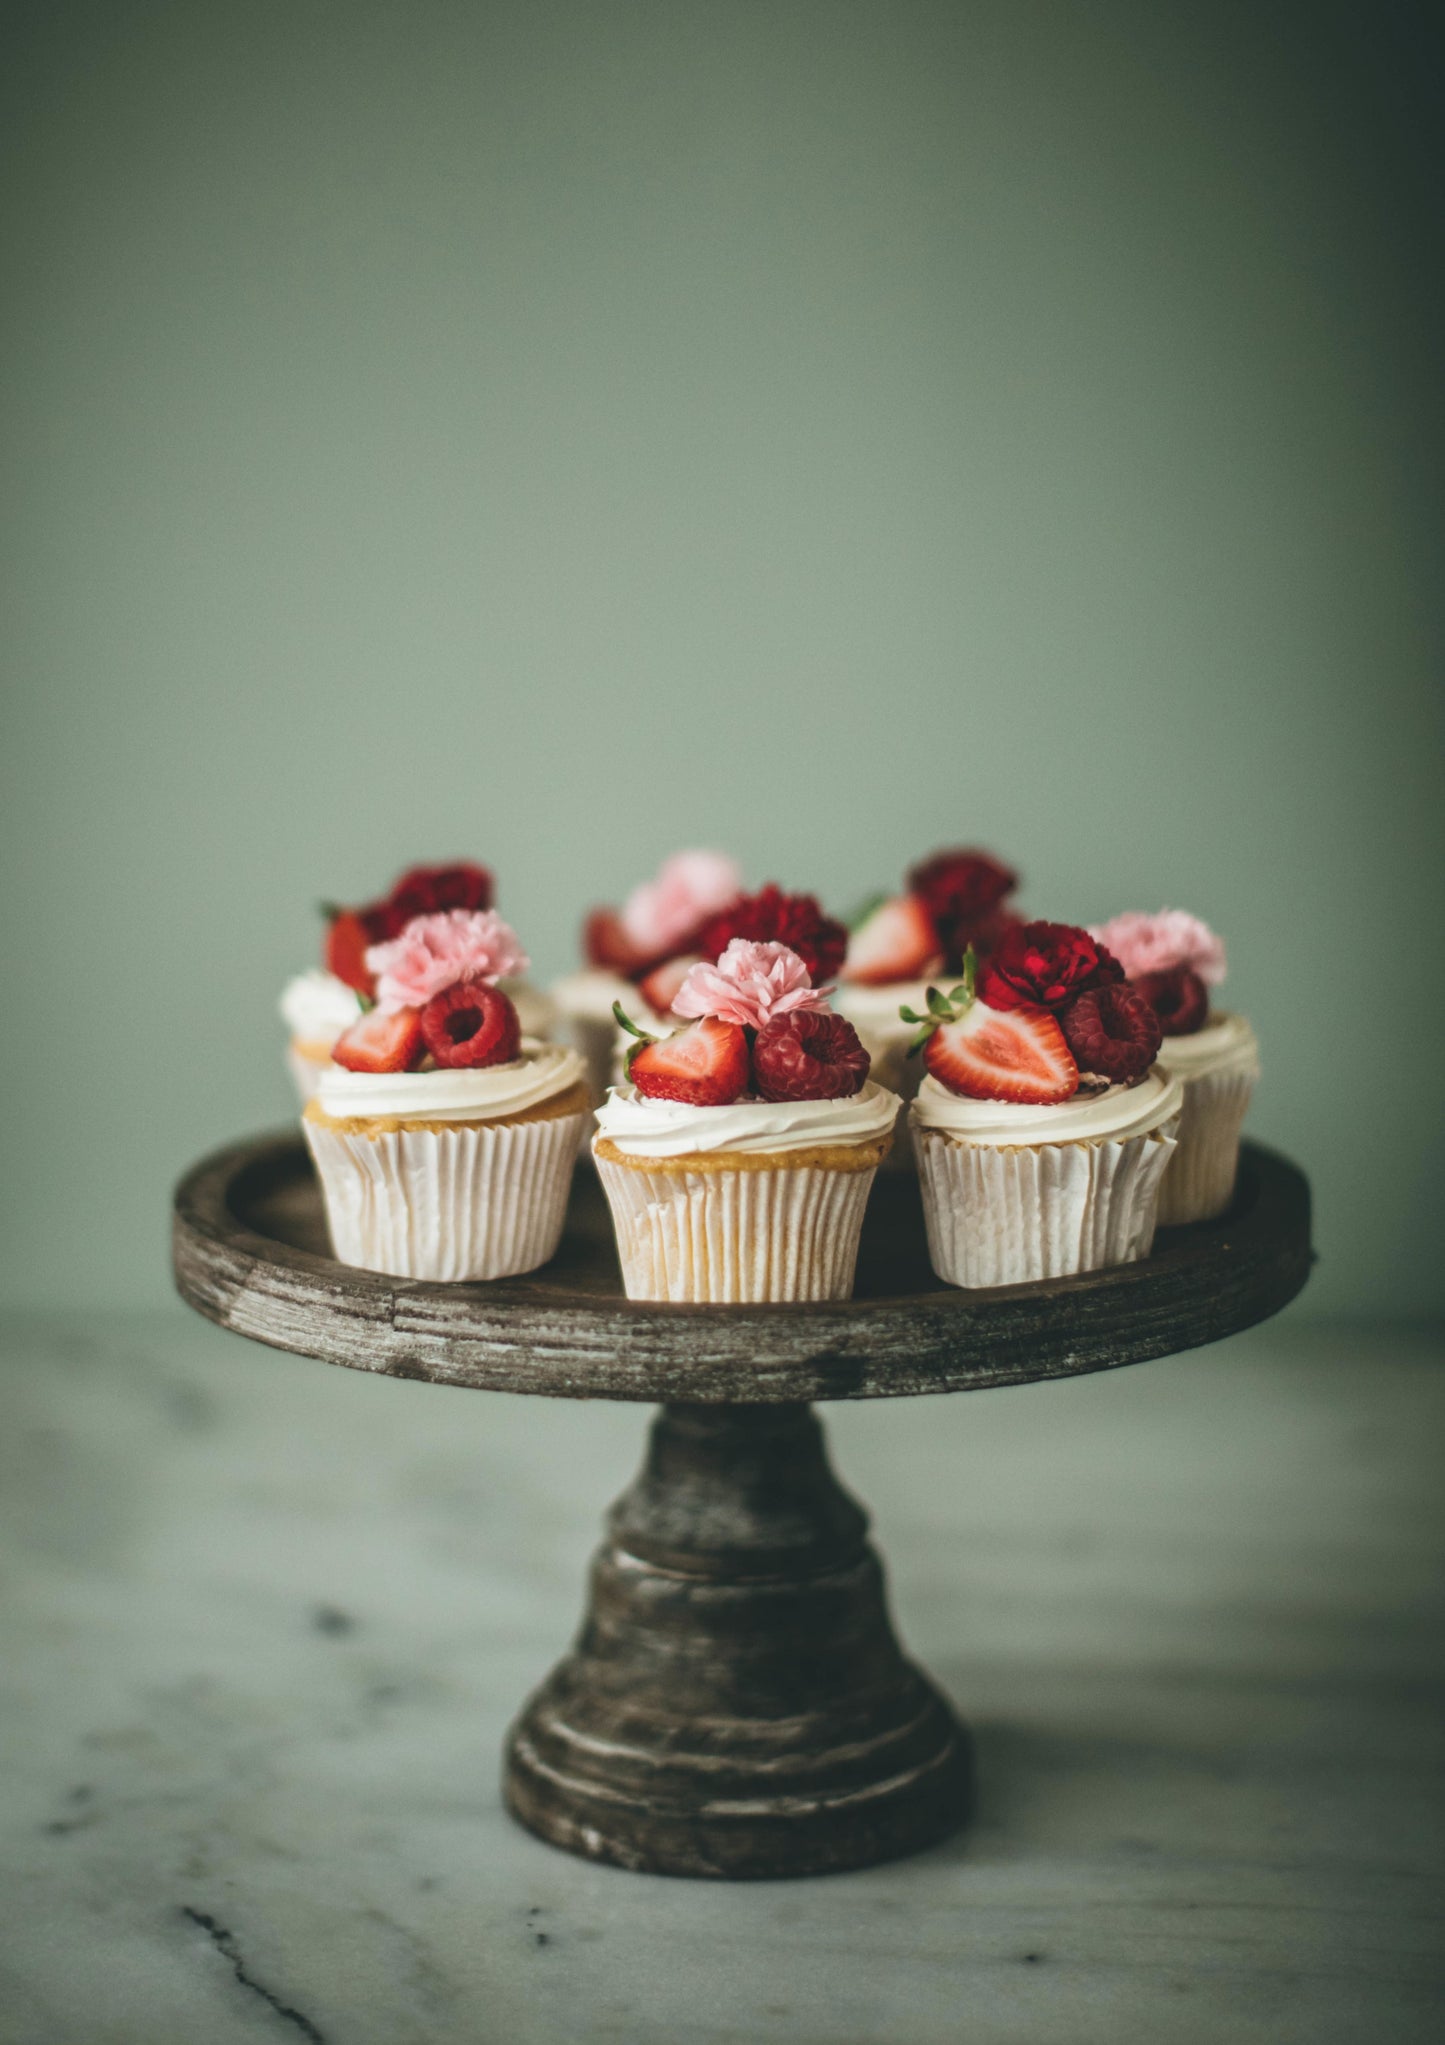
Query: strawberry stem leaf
[[625, 1022]]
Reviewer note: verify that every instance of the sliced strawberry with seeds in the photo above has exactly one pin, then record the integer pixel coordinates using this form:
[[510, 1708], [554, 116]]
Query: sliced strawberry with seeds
[[706, 1064], [659, 987], [606, 945], [896, 940], [993, 1054], [382, 1043], [472, 1024], [346, 941]]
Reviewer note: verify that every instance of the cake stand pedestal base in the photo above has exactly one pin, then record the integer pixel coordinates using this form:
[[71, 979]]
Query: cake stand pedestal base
[[737, 1704]]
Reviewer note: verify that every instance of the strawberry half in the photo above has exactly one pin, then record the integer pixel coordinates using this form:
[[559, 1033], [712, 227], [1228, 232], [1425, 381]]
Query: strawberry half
[[707, 1064], [382, 1043], [606, 945], [659, 987], [896, 939], [993, 1054], [346, 941]]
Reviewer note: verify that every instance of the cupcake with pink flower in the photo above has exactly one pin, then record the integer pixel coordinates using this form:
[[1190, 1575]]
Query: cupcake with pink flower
[[1175, 960], [638, 947], [443, 1136], [318, 1006], [1043, 1127], [773, 915], [738, 1151]]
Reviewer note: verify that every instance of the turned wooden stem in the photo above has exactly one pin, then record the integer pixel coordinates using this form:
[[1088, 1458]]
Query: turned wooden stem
[[737, 1703]]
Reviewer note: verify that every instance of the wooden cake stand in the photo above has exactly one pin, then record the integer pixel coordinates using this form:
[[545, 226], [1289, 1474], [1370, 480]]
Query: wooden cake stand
[[736, 1703]]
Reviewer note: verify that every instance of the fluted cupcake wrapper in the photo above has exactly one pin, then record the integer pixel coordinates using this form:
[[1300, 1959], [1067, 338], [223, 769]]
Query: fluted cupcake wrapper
[[1011, 1216], [474, 1201], [1199, 1183], [741, 1237]]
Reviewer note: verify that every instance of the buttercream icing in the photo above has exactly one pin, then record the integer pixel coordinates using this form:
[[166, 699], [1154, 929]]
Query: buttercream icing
[[1225, 1044], [317, 1007], [641, 1127], [454, 1093], [1112, 1116]]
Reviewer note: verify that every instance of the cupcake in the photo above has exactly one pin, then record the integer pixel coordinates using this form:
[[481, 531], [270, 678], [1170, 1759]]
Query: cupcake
[[898, 943], [317, 1007], [624, 946], [443, 1137], [738, 1152], [1174, 960], [1043, 1126]]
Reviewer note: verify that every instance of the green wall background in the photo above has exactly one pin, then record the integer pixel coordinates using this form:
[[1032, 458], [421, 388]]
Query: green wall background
[[557, 433]]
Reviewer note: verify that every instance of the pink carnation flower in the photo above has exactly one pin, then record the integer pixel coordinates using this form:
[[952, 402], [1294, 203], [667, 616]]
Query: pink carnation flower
[[750, 984], [1157, 944], [434, 952], [660, 914]]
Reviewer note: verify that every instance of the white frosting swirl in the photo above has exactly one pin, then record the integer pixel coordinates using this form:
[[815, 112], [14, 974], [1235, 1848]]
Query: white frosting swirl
[[646, 1128], [317, 1007], [1225, 1044], [1113, 1116], [536, 1011], [590, 994], [876, 1008], [453, 1093]]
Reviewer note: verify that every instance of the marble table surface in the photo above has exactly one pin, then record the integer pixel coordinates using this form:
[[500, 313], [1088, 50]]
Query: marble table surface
[[265, 1622]]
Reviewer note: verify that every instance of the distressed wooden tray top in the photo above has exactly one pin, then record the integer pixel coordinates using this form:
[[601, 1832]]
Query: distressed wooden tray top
[[736, 1703], [251, 1253]]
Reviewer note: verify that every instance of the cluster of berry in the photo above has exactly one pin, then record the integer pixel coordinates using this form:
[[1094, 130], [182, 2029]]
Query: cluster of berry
[[1049, 1006]]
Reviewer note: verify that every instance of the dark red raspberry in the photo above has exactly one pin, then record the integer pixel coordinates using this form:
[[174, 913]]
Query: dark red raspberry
[[1112, 1031], [962, 890], [471, 1024], [1179, 998], [772, 917], [808, 1055], [1043, 965]]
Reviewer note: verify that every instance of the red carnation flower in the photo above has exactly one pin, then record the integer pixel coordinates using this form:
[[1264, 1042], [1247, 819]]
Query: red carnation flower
[[1043, 965], [1112, 1031], [1179, 998], [426, 890], [775, 918], [961, 890]]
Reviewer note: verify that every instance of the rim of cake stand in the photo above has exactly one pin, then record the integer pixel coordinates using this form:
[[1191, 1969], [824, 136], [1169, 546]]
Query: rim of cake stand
[[533, 1335]]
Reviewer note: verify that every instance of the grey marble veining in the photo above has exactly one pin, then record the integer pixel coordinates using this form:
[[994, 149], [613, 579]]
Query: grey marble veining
[[265, 1624]]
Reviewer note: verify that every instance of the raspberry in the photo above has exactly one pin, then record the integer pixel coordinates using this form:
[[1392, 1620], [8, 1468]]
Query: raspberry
[[775, 918], [1112, 1031], [1179, 998], [471, 1024], [810, 1054]]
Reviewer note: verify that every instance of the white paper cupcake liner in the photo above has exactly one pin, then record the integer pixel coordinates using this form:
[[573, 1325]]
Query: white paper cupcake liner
[[474, 1201], [1009, 1217], [741, 1237], [1199, 1183]]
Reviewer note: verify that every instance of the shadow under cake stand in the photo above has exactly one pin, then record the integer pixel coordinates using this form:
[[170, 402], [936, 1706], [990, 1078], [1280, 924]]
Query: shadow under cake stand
[[736, 1703]]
